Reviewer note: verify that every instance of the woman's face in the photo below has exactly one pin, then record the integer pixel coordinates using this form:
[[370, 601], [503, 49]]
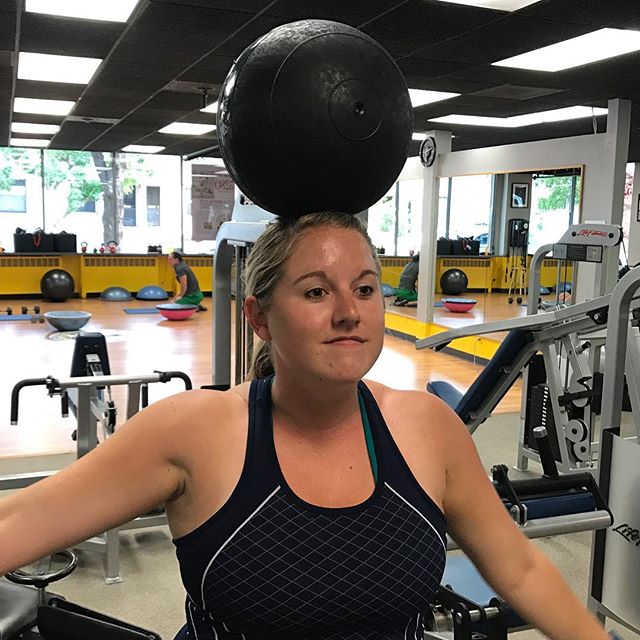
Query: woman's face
[[327, 313]]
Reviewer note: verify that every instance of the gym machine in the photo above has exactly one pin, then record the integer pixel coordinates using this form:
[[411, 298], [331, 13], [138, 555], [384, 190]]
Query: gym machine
[[550, 348], [615, 561], [543, 506], [516, 271], [28, 612], [234, 240], [84, 394]]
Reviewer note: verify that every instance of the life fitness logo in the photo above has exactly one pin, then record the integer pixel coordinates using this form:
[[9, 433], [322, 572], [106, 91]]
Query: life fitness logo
[[629, 533], [592, 232]]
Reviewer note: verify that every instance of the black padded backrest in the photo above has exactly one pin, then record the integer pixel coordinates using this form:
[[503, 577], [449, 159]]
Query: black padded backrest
[[483, 385], [89, 343], [18, 607]]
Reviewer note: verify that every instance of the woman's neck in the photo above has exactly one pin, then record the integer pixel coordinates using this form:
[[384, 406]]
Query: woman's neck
[[313, 405]]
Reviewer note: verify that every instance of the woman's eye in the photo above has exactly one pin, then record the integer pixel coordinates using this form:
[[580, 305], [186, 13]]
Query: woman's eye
[[316, 292], [365, 290]]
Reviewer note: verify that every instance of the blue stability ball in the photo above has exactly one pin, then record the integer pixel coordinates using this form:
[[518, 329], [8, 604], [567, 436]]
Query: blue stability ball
[[152, 292], [57, 285], [453, 282], [113, 294]]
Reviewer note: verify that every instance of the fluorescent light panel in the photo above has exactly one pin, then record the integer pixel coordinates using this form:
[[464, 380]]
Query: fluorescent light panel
[[419, 136], [44, 107], [32, 127], [111, 11], [187, 129], [212, 108], [420, 97], [142, 148], [501, 5], [526, 120], [591, 47], [29, 142], [69, 69]]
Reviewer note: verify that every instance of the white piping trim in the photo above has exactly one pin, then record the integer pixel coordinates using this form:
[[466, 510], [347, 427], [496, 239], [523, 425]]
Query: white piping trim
[[444, 544], [193, 624], [228, 540]]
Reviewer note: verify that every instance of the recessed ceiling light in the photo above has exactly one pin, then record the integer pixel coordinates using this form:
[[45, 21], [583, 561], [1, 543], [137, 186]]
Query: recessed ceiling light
[[45, 107], [70, 69], [591, 47], [526, 120], [212, 108], [142, 148], [420, 97], [29, 142], [32, 127], [112, 11], [502, 5], [187, 129]]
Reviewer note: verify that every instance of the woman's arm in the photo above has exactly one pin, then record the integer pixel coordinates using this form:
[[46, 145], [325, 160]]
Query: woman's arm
[[138, 468], [510, 563]]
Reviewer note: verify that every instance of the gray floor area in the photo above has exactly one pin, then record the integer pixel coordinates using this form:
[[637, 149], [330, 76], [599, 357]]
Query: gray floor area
[[151, 594]]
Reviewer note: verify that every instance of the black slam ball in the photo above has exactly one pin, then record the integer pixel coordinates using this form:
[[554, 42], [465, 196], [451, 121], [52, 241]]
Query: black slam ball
[[314, 116], [57, 285], [453, 282]]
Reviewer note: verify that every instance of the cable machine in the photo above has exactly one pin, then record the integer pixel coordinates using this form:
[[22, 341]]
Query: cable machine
[[516, 273]]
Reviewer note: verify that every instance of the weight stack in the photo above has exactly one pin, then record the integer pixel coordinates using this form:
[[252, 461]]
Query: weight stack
[[541, 415]]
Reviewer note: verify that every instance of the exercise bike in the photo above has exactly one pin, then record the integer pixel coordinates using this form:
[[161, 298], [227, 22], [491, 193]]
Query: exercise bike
[[29, 612]]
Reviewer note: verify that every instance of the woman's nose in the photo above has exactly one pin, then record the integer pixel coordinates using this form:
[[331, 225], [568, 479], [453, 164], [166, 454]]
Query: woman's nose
[[346, 309]]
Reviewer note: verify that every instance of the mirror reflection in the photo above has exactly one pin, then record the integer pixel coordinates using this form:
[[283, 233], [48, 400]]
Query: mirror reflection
[[489, 227]]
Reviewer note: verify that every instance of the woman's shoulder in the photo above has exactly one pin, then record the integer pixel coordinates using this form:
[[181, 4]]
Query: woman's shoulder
[[199, 407], [418, 407]]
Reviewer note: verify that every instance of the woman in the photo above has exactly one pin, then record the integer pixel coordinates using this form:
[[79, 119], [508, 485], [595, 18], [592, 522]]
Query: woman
[[309, 504]]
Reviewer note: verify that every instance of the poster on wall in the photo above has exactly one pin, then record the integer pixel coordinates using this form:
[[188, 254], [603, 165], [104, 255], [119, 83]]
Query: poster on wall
[[212, 199]]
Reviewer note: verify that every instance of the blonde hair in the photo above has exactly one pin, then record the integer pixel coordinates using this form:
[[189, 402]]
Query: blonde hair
[[266, 261]]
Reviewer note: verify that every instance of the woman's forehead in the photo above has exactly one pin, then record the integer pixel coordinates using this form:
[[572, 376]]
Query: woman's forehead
[[330, 245]]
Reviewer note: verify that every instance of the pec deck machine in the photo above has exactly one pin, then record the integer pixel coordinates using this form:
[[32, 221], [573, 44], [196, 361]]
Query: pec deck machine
[[557, 349]]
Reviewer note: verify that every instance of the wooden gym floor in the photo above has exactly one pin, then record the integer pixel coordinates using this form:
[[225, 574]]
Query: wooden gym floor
[[140, 344]]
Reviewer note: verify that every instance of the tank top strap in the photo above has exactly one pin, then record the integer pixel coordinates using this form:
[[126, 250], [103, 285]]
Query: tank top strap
[[259, 437], [388, 458]]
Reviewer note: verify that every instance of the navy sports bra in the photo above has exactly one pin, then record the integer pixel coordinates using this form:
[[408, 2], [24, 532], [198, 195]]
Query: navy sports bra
[[269, 566]]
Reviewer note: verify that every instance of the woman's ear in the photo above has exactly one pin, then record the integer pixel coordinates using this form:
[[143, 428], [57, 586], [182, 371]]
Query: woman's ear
[[257, 318]]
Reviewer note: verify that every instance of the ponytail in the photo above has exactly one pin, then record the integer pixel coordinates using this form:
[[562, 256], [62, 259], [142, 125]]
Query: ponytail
[[261, 365]]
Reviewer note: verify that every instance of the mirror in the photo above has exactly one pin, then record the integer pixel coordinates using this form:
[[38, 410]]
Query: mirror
[[489, 226]]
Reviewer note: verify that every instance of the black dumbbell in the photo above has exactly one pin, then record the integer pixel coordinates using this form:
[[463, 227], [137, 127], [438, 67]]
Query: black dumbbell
[[25, 310]]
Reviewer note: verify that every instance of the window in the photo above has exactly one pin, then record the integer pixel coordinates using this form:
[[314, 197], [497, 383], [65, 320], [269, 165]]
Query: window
[[14, 199], [555, 201], [383, 220], [88, 206], [129, 202], [409, 217], [470, 207], [153, 206]]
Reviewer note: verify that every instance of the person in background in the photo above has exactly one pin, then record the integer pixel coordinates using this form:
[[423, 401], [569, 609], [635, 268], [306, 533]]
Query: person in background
[[189, 287], [406, 291]]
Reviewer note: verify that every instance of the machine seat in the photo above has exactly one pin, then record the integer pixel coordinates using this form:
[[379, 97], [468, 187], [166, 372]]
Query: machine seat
[[482, 387], [18, 608]]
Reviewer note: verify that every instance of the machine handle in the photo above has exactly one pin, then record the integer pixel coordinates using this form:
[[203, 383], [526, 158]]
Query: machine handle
[[64, 404], [165, 376], [30, 382], [546, 454], [41, 579]]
